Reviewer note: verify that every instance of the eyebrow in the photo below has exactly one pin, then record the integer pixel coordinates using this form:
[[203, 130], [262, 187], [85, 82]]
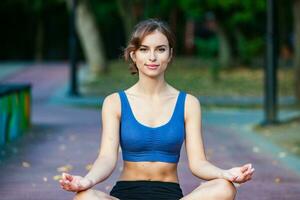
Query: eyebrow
[[155, 47]]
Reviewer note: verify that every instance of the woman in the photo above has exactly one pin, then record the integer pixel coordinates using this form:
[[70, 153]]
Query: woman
[[150, 121]]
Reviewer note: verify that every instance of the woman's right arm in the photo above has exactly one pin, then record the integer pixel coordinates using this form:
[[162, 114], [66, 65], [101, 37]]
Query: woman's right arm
[[108, 153]]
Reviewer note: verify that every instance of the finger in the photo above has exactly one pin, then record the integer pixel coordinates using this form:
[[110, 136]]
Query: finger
[[246, 173], [244, 169], [73, 187], [61, 182], [235, 180], [247, 177], [63, 175], [241, 178], [69, 177], [248, 166], [68, 187], [64, 184], [250, 169], [249, 173], [230, 176], [236, 177]]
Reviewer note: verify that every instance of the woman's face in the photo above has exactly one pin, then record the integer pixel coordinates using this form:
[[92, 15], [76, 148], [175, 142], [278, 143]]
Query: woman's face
[[154, 54]]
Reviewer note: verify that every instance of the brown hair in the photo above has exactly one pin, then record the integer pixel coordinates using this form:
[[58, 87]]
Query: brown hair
[[141, 30]]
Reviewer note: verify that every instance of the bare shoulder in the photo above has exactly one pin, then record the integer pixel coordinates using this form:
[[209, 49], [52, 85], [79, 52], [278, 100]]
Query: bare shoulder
[[112, 103], [191, 102], [192, 105]]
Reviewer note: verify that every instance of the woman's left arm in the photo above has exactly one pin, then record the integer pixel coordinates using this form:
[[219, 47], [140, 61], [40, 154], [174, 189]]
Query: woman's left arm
[[198, 163]]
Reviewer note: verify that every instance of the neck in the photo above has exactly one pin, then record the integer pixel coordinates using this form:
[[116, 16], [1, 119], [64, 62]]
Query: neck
[[151, 86]]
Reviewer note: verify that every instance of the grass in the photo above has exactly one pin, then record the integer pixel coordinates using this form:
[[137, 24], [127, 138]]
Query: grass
[[193, 76], [285, 134]]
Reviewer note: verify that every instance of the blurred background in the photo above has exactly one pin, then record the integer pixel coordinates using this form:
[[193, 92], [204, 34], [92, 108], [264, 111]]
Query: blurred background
[[220, 44], [58, 46]]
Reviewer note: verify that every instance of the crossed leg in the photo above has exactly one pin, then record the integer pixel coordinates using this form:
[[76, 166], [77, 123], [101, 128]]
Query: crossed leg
[[217, 189], [93, 195]]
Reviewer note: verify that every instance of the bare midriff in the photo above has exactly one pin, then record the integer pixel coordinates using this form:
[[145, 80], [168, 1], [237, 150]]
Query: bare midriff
[[150, 171]]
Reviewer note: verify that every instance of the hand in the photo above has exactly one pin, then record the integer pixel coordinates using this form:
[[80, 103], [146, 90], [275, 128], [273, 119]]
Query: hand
[[239, 174], [74, 183]]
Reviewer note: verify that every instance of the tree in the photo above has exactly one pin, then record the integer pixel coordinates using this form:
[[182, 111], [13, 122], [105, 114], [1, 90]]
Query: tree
[[38, 7], [87, 29], [233, 19], [296, 8], [129, 12], [90, 39], [132, 11]]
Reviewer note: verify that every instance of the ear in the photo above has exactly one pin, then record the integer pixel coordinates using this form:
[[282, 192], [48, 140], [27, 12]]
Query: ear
[[170, 55], [132, 56]]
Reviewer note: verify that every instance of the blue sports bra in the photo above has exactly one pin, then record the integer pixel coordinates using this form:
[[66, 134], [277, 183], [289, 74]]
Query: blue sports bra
[[143, 143]]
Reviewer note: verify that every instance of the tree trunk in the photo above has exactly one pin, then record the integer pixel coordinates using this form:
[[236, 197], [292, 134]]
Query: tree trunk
[[39, 40], [225, 48], [128, 16], [296, 9], [189, 37], [90, 39]]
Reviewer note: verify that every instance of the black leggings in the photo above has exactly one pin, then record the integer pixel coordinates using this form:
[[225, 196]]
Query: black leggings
[[146, 190]]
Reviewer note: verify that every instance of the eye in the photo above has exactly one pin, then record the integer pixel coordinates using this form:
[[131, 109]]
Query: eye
[[162, 49], [142, 49]]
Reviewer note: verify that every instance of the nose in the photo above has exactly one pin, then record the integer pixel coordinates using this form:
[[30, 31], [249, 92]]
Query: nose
[[152, 56]]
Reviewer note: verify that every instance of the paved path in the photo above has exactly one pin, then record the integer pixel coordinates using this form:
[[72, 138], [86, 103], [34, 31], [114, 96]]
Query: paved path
[[69, 136]]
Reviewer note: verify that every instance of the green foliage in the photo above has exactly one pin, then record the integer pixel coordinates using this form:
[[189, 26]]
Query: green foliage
[[192, 8], [224, 4], [103, 9], [207, 48], [233, 13], [38, 5], [243, 17], [249, 47], [152, 9]]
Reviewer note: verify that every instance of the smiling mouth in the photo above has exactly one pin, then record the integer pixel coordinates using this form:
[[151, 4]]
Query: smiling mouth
[[152, 65]]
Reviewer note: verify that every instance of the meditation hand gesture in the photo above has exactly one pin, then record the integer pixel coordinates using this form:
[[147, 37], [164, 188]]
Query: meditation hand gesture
[[239, 174], [74, 183]]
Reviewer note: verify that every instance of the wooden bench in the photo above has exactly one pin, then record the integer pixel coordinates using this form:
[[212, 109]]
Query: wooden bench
[[15, 108]]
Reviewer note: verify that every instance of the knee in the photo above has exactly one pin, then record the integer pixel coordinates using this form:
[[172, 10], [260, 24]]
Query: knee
[[226, 190], [83, 195], [91, 195]]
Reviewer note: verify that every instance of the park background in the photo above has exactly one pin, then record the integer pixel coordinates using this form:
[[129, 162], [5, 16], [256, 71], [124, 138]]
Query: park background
[[220, 57]]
